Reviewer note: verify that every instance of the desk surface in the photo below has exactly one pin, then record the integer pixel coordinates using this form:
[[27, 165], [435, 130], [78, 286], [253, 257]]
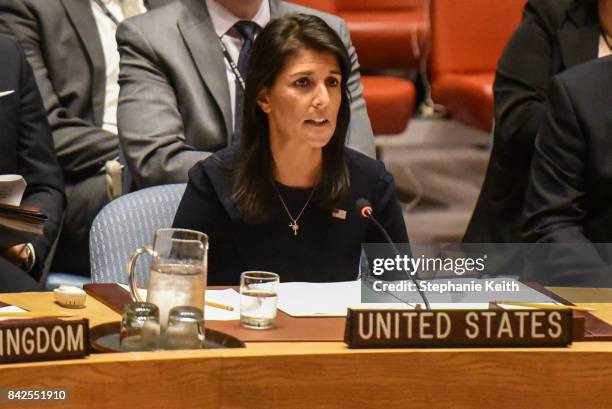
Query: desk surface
[[319, 375]]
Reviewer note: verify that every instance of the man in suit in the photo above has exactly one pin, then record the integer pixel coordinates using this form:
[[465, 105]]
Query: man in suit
[[26, 148], [180, 96], [554, 35], [569, 198], [71, 47]]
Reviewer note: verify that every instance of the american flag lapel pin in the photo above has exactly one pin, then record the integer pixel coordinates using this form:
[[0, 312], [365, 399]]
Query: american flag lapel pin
[[339, 214]]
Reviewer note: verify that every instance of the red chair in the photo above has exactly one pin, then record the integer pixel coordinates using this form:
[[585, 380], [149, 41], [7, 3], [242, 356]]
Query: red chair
[[468, 37], [387, 35], [390, 103]]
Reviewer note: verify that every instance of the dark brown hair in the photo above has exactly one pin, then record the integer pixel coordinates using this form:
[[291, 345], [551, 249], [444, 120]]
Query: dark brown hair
[[253, 189]]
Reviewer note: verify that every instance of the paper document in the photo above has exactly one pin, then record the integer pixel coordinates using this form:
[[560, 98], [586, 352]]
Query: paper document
[[300, 299], [333, 299], [11, 189], [10, 308], [229, 297]]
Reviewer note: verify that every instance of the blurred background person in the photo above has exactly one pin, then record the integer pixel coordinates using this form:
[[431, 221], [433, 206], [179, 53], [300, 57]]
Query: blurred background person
[[26, 149], [553, 36], [72, 49], [283, 199], [182, 69], [568, 201]]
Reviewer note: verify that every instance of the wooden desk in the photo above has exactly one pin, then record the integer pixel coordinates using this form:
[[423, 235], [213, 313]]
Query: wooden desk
[[319, 375]]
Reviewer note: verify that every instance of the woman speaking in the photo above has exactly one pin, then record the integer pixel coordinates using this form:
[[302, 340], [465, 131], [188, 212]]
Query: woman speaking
[[283, 199]]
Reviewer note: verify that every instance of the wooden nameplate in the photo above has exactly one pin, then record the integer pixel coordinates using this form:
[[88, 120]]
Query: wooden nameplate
[[374, 328], [43, 339]]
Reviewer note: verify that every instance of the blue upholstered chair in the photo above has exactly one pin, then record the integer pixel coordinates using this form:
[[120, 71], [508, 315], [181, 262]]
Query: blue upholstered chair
[[127, 223], [55, 280], [52, 280]]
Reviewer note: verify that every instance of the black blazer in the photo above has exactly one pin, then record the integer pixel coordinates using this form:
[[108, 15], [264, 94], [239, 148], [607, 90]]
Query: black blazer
[[569, 198], [26, 147], [553, 36], [326, 249]]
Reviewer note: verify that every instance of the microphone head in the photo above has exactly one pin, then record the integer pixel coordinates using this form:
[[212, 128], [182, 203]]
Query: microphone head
[[364, 207]]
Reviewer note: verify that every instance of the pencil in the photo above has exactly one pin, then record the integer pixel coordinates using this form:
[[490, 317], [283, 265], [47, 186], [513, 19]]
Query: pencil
[[545, 306], [29, 314], [217, 305]]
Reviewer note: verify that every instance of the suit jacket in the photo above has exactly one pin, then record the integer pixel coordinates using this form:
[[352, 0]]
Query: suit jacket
[[553, 36], [174, 105], [327, 248], [26, 147], [569, 198], [62, 43]]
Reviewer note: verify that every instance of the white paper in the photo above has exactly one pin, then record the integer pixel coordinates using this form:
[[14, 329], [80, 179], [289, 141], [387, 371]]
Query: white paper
[[10, 308], [300, 299], [11, 189], [229, 297]]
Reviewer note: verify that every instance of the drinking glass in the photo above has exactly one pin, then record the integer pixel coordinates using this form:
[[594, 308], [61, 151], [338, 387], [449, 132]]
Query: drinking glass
[[185, 328], [258, 299], [139, 327]]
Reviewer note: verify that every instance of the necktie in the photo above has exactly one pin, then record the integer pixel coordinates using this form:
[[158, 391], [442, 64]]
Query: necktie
[[248, 30]]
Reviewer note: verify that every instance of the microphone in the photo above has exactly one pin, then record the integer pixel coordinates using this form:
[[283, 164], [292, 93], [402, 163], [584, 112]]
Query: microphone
[[364, 207]]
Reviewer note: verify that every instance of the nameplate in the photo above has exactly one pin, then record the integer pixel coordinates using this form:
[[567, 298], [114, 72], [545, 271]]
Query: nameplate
[[458, 328], [42, 339]]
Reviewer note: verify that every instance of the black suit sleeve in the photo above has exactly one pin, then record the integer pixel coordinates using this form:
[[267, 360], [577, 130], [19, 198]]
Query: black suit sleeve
[[522, 80], [82, 147], [37, 161], [152, 128], [555, 203]]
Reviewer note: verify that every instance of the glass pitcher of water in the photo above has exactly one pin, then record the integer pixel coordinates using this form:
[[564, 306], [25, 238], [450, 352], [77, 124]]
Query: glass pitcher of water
[[178, 271]]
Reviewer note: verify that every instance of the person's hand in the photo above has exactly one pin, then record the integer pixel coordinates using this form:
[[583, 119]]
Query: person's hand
[[17, 254]]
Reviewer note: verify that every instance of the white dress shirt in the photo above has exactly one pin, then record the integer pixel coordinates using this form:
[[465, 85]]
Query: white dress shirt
[[121, 9], [604, 50], [223, 21]]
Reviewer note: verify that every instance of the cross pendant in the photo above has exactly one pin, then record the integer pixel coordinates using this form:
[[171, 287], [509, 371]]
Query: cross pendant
[[295, 227]]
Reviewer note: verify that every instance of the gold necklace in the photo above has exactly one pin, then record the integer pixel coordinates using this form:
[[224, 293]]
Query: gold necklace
[[294, 226]]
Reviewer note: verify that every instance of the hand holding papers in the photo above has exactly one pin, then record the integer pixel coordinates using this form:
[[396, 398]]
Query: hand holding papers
[[18, 224]]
